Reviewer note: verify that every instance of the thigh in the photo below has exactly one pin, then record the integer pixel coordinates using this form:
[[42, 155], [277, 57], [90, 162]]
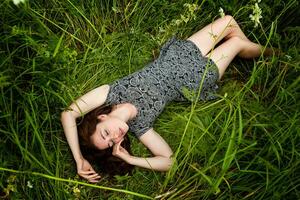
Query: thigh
[[211, 34], [225, 53]]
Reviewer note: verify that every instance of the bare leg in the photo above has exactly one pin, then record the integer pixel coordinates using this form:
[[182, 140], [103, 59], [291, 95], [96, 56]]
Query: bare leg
[[225, 53], [211, 34], [236, 43]]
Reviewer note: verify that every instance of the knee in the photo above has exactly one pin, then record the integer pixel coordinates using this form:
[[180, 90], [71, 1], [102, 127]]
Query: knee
[[229, 19], [237, 42], [236, 39]]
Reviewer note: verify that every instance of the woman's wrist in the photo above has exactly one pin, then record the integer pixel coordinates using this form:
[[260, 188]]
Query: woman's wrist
[[128, 159], [78, 158]]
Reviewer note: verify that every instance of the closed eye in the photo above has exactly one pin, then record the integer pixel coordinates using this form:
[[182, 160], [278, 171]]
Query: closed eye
[[101, 133], [111, 142]]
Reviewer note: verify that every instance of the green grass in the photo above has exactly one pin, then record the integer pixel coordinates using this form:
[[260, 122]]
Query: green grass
[[243, 145]]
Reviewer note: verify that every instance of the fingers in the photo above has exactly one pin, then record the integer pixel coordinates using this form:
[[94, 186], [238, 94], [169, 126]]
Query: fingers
[[122, 149], [91, 169], [87, 172], [116, 147], [90, 175], [119, 143], [93, 181], [93, 178]]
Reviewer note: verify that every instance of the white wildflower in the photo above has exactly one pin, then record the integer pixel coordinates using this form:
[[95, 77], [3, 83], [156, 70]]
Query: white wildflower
[[116, 10], [176, 22], [132, 30], [189, 14], [76, 192], [16, 2], [184, 18], [221, 12], [289, 58], [161, 30], [192, 7], [256, 15], [29, 184]]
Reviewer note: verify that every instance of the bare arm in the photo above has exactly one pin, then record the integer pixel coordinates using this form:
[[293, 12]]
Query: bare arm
[[161, 161], [82, 105]]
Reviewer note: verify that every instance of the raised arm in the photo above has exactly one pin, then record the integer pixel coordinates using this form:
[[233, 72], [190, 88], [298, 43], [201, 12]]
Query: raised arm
[[82, 105], [161, 161]]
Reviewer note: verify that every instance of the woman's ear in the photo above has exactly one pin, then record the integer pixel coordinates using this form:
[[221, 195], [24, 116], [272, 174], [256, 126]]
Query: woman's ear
[[102, 117]]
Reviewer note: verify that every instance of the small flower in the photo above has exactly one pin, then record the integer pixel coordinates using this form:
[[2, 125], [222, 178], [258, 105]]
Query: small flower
[[116, 10], [29, 184], [16, 2], [191, 10], [11, 187], [161, 30], [132, 30], [289, 58], [256, 15], [192, 7], [12, 179], [221, 12], [184, 18], [76, 191], [176, 22]]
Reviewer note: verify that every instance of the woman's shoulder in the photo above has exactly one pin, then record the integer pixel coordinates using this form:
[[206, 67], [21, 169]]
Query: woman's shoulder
[[103, 89], [99, 94]]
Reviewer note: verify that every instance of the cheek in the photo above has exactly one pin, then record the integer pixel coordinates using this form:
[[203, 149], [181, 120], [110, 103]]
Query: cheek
[[99, 143]]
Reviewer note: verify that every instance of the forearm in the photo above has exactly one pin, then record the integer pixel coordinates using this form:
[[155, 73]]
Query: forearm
[[158, 163], [70, 130]]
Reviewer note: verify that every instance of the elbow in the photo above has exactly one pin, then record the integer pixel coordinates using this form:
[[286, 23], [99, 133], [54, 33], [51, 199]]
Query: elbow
[[66, 115], [63, 115]]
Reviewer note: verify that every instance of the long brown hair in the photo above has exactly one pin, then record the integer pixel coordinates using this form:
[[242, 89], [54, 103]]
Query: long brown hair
[[103, 159]]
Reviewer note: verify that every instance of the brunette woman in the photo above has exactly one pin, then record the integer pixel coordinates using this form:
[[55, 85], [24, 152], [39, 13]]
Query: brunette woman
[[135, 101]]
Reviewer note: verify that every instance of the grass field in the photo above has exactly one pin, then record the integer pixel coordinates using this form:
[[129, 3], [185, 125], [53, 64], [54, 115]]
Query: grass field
[[243, 145]]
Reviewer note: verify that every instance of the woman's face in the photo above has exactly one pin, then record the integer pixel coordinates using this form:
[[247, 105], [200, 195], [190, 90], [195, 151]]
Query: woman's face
[[109, 131]]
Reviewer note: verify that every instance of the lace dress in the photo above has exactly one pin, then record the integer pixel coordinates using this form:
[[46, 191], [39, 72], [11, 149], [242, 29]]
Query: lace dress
[[179, 68]]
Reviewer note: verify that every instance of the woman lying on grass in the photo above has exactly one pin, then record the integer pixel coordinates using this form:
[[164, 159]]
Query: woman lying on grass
[[133, 102]]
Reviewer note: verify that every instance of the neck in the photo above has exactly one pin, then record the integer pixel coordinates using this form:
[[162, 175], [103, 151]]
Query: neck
[[125, 111]]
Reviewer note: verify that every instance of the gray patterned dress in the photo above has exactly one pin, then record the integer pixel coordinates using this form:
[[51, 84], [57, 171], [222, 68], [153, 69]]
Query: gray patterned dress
[[180, 66]]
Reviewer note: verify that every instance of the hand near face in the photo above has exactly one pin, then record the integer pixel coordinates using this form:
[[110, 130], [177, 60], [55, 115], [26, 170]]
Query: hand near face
[[120, 152], [86, 171]]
